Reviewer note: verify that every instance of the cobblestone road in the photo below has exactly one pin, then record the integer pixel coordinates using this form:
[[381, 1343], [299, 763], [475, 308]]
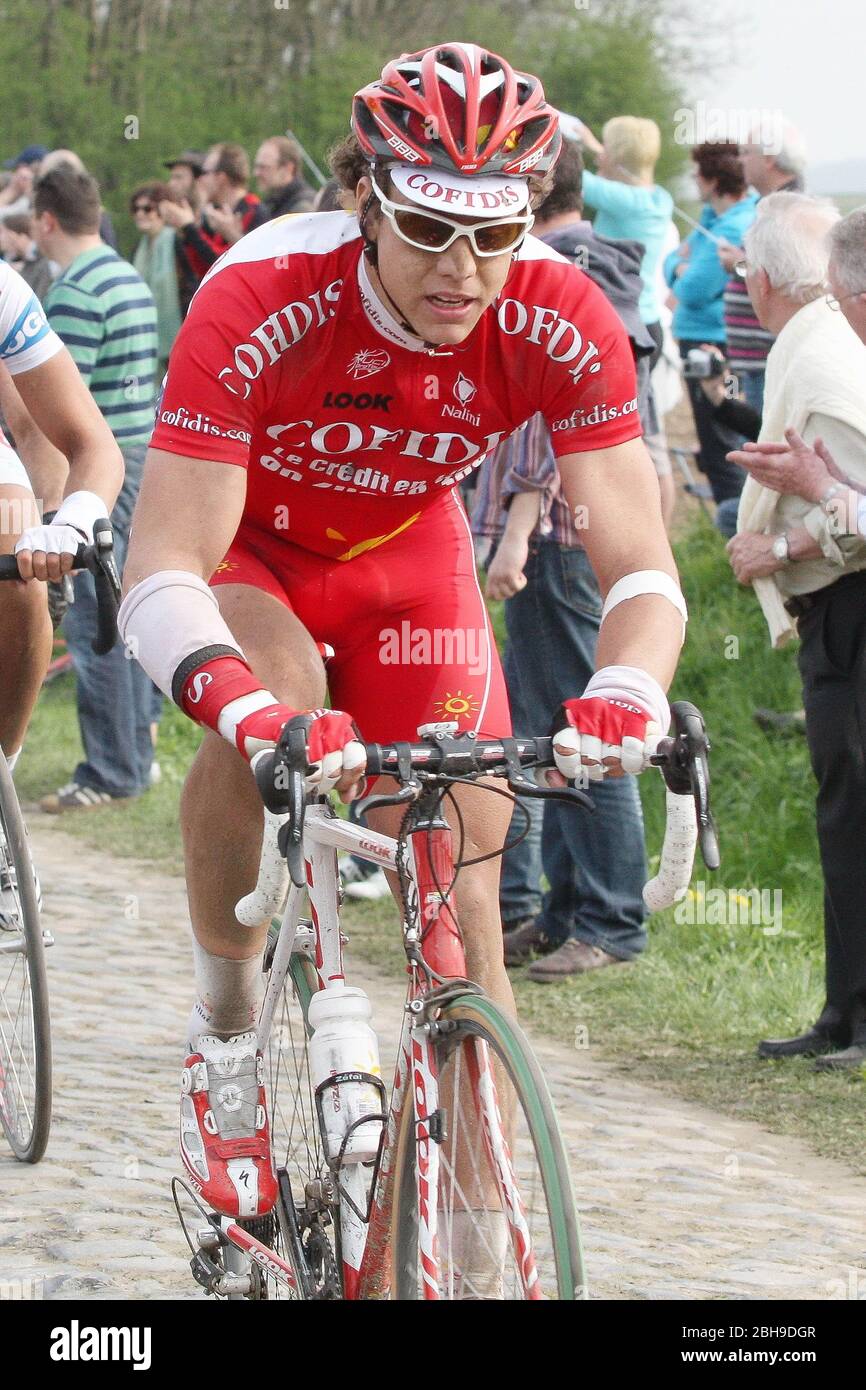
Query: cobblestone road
[[676, 1201]]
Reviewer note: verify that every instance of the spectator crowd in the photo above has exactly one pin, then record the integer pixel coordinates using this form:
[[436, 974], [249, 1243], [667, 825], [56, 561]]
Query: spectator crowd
[[760, 308]]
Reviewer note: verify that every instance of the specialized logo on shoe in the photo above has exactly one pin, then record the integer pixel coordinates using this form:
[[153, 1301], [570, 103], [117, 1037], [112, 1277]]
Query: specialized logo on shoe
[[366, 401], [200, 684], [367, 362], [464, 391], [230, 1097]]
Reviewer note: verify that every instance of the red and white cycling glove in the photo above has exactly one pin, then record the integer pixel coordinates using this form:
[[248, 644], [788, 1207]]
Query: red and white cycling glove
[[622, 715], [224, 695]]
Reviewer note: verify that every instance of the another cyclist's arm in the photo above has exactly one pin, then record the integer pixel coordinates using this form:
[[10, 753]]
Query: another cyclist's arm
[[63, 410], [46, 467]]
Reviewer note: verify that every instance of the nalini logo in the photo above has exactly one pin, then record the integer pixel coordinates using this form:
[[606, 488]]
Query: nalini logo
[[464, 392], [367, 362]]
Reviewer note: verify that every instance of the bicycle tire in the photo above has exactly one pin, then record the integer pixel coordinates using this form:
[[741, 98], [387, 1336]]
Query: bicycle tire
[[26, 1125], [477, 1019]]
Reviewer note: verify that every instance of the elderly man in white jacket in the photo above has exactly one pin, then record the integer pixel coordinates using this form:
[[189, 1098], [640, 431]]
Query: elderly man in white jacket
[[802, 544]]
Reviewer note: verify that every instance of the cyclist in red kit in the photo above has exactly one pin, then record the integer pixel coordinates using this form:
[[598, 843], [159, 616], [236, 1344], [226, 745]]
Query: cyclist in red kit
[[337, 376]]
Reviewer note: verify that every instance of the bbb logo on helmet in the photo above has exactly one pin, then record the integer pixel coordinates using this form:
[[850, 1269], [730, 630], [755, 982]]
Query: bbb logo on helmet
[[403, 150]]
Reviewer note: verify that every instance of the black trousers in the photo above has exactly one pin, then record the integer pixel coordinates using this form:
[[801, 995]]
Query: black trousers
[[714, 439], [832, 663]]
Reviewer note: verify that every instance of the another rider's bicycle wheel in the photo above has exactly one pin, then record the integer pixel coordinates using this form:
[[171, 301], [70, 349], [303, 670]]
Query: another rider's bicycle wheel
[[506, 1221], [25, 1030], [307, 1221]]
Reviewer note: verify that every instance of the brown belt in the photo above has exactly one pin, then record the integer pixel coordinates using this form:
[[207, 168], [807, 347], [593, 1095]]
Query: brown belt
[[804, 603]]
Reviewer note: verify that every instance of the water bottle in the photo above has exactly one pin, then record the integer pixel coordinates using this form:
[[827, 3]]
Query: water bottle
[[343, 1041]]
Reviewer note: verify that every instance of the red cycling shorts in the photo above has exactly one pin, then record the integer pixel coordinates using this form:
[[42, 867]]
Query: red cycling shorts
[[406, 620]]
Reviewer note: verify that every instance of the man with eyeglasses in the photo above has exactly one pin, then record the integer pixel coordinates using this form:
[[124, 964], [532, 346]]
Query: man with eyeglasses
[[802, 543], [335, 379]]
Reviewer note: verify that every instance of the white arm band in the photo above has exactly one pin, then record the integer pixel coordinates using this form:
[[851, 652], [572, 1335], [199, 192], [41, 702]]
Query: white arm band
[[166, 618], [646, 582], [634, 686]]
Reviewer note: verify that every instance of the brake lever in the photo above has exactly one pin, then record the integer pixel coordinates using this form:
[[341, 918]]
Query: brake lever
[[686, 770], [524, 786], [290, 766]]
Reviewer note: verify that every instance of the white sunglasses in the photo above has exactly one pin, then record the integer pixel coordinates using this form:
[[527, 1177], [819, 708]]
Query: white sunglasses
[[428, 231]]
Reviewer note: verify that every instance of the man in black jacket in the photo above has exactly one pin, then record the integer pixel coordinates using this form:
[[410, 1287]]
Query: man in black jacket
[[277, 168]]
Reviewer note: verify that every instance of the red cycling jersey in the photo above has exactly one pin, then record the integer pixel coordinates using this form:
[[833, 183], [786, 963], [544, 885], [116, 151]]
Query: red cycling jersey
[[355, 435], [289, 365]]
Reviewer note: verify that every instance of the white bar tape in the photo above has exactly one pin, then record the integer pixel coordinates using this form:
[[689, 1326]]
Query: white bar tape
[[646, 582], [272, 886], [678, 854], [166, 618]]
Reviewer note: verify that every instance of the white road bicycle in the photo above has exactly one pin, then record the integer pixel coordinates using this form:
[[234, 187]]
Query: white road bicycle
[[464, 1191]]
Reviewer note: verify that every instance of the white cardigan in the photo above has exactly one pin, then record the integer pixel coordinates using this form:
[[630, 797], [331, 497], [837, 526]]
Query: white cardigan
[[816, 366]]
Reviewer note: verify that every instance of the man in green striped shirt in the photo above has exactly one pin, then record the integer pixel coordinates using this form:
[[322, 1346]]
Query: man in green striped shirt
[[105, 314]]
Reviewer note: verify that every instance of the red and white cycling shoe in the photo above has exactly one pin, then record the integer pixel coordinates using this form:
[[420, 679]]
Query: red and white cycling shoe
[[224, 1132]]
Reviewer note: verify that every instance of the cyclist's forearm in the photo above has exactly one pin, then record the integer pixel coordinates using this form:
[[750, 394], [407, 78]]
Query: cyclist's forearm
[[646, 632]]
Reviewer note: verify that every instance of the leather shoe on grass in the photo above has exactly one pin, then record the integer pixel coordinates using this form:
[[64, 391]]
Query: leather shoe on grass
[[776, 722], [572, 958], [525, 941], [811, 1044], [849, 1059]]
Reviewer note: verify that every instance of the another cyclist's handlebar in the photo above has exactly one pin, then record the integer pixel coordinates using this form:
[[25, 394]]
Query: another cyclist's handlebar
[[99, 559]]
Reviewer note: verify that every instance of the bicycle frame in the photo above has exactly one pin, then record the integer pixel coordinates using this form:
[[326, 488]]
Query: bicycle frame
[[430, 921]]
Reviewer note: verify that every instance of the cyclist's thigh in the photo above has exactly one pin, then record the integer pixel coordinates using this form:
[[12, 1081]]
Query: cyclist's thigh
[[275, 642]]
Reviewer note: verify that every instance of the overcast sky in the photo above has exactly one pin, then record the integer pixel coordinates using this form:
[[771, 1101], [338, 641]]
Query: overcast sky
[[805, 57]]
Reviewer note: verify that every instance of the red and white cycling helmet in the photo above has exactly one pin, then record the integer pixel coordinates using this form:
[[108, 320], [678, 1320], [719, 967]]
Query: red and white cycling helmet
[[460, 108]]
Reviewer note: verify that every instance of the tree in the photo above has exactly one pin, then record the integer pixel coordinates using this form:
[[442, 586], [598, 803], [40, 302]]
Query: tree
[[129, 82]]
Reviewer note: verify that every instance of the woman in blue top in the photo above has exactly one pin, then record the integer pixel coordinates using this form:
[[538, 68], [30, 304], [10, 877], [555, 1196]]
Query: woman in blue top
[[698, 279]]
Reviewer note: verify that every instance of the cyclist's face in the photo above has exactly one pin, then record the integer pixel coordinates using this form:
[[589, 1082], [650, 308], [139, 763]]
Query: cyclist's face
[[442, 293]]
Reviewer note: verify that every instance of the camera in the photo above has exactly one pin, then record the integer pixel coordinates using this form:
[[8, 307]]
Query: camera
[[702, 365]]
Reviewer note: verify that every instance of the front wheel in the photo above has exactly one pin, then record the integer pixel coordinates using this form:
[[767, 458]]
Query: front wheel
[[506, 1225]]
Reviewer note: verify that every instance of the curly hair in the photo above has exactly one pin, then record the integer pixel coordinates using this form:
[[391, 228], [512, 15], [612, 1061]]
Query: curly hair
[[349, 164], [719, 162]]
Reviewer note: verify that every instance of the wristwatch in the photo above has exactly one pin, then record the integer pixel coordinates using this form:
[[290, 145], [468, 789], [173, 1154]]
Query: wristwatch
[[833, 491], [780, 548]]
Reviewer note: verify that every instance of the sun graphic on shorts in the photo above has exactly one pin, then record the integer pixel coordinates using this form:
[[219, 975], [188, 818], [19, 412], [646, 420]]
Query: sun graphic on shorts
[[458, 705]]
